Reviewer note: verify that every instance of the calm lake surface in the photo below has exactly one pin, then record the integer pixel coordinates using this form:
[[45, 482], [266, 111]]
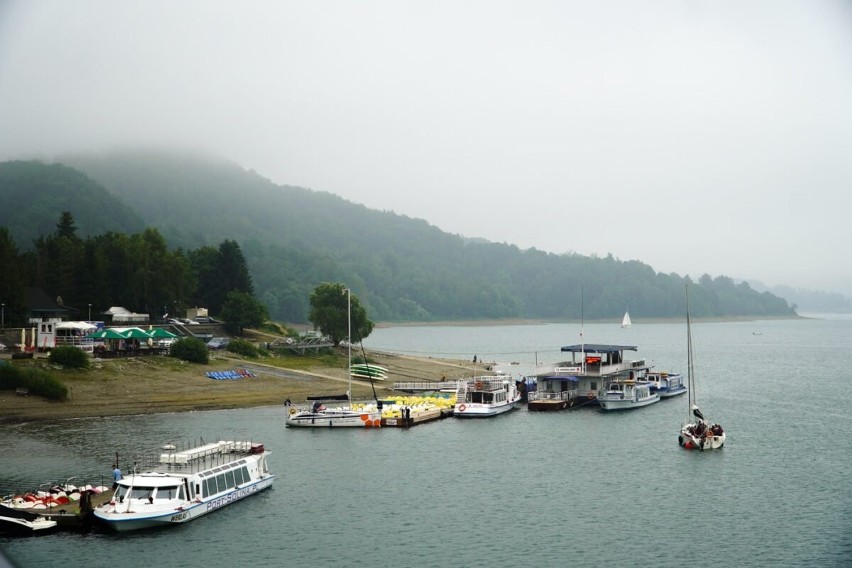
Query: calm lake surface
[[578, 487]]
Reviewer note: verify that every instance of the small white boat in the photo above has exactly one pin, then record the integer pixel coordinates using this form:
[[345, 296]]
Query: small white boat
[[186, 485], [626, 394], [482, 397], [626, 321], [343, 417], [665, 384]]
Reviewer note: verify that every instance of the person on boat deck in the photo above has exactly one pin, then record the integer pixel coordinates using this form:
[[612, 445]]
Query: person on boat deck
[[116, 476], [318, 406]]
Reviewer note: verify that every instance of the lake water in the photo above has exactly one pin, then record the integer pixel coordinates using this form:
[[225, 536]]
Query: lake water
[[578, 487]]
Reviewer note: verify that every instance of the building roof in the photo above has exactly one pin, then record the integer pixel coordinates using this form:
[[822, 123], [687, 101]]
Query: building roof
[[599, 348]]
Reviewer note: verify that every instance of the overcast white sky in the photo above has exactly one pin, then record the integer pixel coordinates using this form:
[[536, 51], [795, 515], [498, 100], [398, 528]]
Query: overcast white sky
[[696, 136]]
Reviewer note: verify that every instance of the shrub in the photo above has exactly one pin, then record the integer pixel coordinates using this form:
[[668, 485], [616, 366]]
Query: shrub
[[69, 356], [190, 349], [243, 347], [36, 381]]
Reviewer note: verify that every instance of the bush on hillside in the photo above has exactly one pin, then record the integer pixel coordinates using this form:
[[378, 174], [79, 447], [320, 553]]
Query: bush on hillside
[[36, 381], [243, 347], [69, 357], [190, 349]]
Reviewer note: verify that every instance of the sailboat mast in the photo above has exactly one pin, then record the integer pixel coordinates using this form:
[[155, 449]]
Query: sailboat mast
[[690, 365], [582, 335], [349, 340]]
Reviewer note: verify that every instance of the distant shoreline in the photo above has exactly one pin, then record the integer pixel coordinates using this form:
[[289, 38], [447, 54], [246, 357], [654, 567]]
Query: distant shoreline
[[522, 321]]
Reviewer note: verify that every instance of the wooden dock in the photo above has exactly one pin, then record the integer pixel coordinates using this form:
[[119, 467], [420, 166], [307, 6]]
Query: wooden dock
[[417, 417]]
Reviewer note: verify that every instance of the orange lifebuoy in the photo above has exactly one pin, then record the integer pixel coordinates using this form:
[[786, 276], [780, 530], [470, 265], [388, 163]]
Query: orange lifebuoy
[[478, 385], [591, 395], [462, 408]]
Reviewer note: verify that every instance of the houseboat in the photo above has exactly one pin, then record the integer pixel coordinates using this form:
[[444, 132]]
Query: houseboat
[[577, 381], [482, 397]]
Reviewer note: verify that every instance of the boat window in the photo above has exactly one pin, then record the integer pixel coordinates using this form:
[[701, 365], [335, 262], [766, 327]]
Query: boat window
[[167, 492], [229, 479], [210, 486], [246, 475], [181, 493], [141, 492], [238, 476], [241, 461], [220, 481], [593, 385], [217, 470], [120, 492]]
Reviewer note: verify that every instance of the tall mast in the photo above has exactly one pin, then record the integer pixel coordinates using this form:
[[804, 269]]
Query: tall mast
[[349, 340], [689, 365], [582, 335]]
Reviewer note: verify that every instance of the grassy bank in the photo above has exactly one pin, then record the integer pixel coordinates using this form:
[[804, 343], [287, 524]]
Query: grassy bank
[[143, 385]]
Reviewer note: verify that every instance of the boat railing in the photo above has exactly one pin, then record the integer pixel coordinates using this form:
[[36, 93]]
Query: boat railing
[[417, 386], [190, 458]]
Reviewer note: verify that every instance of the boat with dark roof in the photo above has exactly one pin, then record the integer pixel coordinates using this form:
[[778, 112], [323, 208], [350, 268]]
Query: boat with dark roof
[[577, 381]]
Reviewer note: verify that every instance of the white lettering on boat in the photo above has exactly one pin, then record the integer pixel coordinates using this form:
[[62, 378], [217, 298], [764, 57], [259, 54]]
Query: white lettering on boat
[[231, 497]]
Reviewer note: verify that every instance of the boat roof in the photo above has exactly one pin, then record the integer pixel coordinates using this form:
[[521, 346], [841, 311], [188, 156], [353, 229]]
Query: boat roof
[[598, 348]]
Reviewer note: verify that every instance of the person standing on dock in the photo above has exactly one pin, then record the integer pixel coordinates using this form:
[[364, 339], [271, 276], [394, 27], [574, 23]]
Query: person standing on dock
[[116, 476]]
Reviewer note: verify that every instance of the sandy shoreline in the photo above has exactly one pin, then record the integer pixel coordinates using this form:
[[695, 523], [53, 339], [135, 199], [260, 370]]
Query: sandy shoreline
[[147, 385]]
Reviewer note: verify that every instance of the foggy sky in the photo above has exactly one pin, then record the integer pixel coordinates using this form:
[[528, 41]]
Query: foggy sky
[[696, 136]]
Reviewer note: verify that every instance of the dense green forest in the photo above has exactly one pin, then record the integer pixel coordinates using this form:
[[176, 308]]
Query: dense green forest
[[401, 268]]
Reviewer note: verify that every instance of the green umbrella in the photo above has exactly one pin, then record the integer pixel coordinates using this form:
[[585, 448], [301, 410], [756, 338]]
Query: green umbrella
[[106, 334], [160, 333], [135, 333]]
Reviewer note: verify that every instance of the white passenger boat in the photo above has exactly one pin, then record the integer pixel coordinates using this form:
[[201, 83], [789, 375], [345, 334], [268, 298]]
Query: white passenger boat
[[187, 484], [626, 394], [482, 397], [665, 384], [319, 416]]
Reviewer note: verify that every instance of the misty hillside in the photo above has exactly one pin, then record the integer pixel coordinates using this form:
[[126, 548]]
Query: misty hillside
[[401, 268], [32, 195]]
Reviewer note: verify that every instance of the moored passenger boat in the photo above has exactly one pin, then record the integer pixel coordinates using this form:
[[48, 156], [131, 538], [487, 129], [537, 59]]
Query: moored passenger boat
[[665, 384], [626, 394], [482, 397], [187, 484]]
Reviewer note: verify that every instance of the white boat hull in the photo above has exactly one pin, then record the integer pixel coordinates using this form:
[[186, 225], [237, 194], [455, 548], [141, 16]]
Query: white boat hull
[[135, 517], [474, 410], [334, 419], [626, 403]]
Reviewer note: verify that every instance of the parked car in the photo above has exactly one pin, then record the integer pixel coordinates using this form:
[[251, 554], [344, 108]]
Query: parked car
[[166, 342], [218, 343], [185, 321], [203, 319]]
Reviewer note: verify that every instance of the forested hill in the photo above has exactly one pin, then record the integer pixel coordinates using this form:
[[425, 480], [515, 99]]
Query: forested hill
[[401, 268], [32, 196]]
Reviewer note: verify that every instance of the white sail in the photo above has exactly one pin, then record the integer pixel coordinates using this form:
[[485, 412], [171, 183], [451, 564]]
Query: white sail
[[626, 321]]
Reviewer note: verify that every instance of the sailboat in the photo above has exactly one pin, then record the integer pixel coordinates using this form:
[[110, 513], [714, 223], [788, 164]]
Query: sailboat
[[626, 321], [697, 433], [352, 416]]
